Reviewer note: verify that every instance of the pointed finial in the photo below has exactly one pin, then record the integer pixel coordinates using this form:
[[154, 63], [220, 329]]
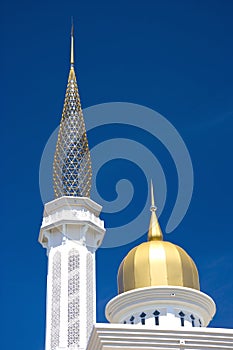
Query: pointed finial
[[72, 43], [153, 207], [154, 233]]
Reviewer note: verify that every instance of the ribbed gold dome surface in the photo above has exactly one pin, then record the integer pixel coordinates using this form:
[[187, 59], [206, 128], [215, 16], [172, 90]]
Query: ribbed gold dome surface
[[157, 263]]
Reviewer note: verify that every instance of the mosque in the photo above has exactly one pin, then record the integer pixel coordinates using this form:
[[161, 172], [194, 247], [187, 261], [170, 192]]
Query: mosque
[[159, 303]]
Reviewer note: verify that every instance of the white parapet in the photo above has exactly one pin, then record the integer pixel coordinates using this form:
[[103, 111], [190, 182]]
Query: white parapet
[[166, 306], [74, 218], [128, 337]]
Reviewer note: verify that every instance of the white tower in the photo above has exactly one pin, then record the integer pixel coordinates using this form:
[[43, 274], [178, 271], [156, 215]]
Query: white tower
[[71, 232]]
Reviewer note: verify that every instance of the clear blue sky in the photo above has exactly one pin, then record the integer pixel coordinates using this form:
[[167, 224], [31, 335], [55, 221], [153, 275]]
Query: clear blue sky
[[175, 57]]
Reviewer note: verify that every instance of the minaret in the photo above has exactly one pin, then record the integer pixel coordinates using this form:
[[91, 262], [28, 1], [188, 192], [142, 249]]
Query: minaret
[[158, 286], [71, 231]]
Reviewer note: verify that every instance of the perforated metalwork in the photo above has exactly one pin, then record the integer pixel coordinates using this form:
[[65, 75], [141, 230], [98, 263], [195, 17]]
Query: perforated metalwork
[[72, 164], [56, 295], [73, 298], [90, 296]]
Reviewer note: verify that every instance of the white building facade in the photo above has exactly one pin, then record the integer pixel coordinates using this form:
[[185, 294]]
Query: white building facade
[[135, 337]]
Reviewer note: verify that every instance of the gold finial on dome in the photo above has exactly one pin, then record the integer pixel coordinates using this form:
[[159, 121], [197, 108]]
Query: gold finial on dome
[[154, 233]]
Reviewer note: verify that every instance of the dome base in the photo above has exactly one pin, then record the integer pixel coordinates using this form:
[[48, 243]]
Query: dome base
[[166, 306]]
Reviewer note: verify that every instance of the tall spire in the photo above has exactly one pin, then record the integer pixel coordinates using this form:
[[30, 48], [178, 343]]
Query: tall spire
[[154, 233], [72, 43], [72, 164]]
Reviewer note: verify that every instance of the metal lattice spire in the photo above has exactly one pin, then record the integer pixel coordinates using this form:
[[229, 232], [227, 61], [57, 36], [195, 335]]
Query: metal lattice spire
[[72, 164]]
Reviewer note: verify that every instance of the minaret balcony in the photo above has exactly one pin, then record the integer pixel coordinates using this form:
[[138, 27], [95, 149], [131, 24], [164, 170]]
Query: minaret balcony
[[72, 218]]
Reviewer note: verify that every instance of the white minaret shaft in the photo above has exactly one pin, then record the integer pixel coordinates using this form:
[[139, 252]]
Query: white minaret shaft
[[71, 232]]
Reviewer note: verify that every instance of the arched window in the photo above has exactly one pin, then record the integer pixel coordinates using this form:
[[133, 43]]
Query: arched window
[[132, 319], [181, 314], [143, 318], [156, 314], [193, 320]]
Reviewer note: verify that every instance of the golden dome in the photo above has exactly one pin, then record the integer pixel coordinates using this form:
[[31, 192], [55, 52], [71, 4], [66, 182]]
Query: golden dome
[[157, 263]]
